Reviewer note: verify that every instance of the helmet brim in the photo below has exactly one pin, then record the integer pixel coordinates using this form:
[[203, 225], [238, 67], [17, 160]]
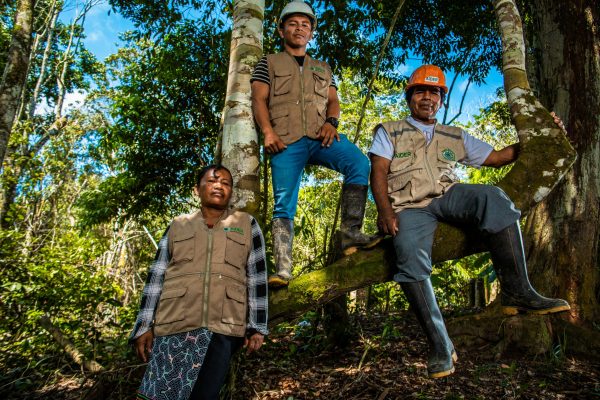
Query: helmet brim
[[412, 85]]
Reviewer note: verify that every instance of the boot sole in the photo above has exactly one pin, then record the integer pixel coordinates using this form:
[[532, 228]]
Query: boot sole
[[510, 310], [354, 248], [372, 243], [447, 372], [437, 375], [350, 250], [276, 282]]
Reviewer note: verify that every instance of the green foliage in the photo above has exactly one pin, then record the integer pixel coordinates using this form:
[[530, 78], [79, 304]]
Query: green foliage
[[74, 246], [165, 107], [390, 329], [492, 125], [84, 280], [6, 22], [451, 279], [161, 18], [348, 33], [80, 279]]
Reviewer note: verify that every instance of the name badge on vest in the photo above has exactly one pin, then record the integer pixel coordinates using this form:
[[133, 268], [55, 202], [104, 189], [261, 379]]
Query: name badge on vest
[[404, 154], [448, 155], [234, 229]]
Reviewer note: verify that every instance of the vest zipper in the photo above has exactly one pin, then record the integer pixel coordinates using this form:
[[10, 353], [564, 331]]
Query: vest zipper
[[302, 97], [207, 279], [429, 171]]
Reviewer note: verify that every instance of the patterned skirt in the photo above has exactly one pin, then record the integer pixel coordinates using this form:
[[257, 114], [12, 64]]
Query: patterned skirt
[[174, 365]]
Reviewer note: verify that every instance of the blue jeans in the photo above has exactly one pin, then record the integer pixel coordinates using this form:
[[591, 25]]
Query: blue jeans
[[287, 167], [484, 207]]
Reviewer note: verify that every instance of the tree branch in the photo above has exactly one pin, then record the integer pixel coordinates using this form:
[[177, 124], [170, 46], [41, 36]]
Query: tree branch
[[69, 347]]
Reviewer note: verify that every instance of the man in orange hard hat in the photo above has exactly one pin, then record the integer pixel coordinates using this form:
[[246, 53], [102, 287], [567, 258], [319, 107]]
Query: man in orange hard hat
[[414, 186], [296, 106]]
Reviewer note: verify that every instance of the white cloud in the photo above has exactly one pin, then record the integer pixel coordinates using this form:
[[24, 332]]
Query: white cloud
[[94, 36], [73, 101]]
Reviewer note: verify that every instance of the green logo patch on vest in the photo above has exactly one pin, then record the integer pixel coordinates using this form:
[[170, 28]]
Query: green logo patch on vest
[[317, 68], [448, 155], [404, 154], [234, 229]]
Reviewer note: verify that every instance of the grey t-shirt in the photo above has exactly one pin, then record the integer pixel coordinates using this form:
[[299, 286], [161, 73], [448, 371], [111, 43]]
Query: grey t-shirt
[[477, 151]]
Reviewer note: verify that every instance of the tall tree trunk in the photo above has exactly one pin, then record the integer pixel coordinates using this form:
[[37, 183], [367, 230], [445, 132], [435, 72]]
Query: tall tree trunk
[[535, 127], [563, 232], [15, 72], [63, 65], [48, 49], [239, 142], [41, 35], [67, 58]]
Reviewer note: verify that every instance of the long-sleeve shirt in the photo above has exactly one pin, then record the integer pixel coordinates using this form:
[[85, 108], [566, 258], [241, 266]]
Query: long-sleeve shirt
[[256, 272]]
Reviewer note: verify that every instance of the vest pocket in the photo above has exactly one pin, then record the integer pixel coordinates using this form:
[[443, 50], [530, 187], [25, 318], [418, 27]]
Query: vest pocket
[[321, 85], [183, 248], [279, 119], [315, 117], [235, 250], [282, 82], [401, 161], [234, 305], [170, 307], [399, 182], [446, 164], [446, 156]]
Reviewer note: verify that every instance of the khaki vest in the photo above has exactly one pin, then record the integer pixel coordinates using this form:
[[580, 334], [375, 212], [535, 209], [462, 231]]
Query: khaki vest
[[420, 172], [297, 100], [205, 281]]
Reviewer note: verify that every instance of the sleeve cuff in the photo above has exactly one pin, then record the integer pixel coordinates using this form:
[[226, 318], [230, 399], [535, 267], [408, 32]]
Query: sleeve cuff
[[138, 331], [251, 330]]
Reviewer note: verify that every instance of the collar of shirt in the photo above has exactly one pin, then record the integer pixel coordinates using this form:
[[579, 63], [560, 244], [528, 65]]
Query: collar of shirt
[[427, 130]]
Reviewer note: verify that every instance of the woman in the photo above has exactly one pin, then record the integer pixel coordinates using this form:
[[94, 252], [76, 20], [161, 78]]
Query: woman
[[205, 296]]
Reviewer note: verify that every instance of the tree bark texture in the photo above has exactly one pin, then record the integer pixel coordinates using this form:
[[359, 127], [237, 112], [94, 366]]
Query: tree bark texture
[[360, 269], [15, 72], [239, 142], [47, 50], [538, 134], [563, 231]]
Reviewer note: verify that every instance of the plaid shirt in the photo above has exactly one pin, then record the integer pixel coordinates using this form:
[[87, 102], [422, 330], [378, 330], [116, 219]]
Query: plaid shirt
[[256, 272]]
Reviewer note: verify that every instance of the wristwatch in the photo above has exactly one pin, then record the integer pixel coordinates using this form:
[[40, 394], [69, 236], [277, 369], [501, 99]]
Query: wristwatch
[[333, 121]]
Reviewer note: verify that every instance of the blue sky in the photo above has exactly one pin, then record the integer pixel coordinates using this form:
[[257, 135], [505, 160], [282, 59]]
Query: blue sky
[[103, 27]]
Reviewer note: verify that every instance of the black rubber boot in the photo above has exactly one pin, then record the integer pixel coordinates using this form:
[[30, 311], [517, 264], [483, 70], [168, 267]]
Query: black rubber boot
[[283, 236], [441, 358], [516, 293], [354, 199]]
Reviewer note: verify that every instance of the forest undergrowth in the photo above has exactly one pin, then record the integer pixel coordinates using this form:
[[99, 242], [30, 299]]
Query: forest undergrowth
[[386, 359]]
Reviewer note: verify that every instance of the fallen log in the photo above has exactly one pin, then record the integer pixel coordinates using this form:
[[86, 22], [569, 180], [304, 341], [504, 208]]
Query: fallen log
[[73, 352]]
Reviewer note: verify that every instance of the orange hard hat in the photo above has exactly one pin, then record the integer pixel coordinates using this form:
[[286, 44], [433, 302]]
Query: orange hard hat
[[427, 75]]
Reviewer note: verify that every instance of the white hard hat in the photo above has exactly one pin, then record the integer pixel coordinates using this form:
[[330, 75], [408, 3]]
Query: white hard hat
[[298, 7]]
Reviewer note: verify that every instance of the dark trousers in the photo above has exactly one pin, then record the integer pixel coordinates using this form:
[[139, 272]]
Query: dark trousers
[[484, 207], [215, 367]]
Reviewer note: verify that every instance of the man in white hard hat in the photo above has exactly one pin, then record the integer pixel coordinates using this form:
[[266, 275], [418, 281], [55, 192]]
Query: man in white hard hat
[[295, 104], [414, 186]]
